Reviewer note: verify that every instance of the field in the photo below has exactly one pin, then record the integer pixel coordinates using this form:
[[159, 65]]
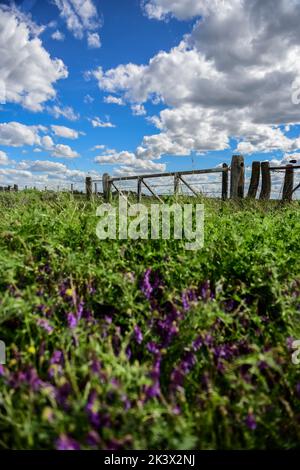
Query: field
[[145, 345]]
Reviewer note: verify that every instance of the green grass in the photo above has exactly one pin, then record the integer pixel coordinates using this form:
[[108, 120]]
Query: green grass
[[237, 390]]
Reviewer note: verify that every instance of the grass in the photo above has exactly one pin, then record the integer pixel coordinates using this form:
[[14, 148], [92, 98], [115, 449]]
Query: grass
[[143, 344]]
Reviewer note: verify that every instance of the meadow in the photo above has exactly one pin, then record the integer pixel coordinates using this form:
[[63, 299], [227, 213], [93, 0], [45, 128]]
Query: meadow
[[143, 344]]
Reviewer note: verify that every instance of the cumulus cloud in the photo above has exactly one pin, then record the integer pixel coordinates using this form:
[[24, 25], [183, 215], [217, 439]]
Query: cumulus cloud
[[81, 17], [138, 110], [64, 151], [110, 99], [67, 112], [15, 134], [130, 164], [66, 132], [97, 122], [27, 72], [4, 160], [58, 36], [94, 41], [183, 9], [231, 78]]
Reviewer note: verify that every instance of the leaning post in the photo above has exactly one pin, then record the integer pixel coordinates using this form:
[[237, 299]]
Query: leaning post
[[266, 184], [237, 177], [106, 183], [89, 187], [254, 182], [287, 194]]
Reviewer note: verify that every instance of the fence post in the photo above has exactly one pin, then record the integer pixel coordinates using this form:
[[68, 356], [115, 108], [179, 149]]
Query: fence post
[[106, 187], [16, 187], [237, 177], [72, 188], [254, 182], [96, 189], [139, 189], [266, 181], [89, 187], [176, 183], [287, 194], [225, 182]]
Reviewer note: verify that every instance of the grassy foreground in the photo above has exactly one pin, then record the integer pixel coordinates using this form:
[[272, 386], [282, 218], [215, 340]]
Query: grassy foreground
[[145, 345]]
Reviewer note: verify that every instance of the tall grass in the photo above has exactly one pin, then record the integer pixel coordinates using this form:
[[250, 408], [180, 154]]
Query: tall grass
[[143, 344]]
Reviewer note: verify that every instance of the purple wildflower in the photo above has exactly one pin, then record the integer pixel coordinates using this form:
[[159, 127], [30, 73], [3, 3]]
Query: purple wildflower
[[251, 422], [93, 439], [153, 390], [138, 335], [197, 344], [72, 321], [80, 309], [153, 348], [62, 393], [92, 409], [45, 325], [57, 357], [128, 353], [65, 442], [146, 286], [2, 371], [185, 302]]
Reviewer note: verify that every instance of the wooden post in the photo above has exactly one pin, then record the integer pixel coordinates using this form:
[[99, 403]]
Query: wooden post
[[139, 189], [237, 177], [266, 181], [89, 187], [176, 183], [106, 187], [16, 188], [96, 188], [72, 188], [254, 182], [225, 182], [287, 194]]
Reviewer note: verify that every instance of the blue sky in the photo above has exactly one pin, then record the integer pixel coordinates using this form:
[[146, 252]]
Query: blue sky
[[185, 102]]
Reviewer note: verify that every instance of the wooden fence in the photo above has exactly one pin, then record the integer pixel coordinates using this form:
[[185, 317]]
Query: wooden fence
[[232, 187]]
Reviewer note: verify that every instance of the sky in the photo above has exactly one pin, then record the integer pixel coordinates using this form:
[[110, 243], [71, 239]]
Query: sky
[[143, 86]]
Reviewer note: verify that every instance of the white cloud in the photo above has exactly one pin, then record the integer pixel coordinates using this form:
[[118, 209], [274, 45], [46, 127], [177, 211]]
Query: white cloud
[[64, 151], [58, 150], [27, 72], [113, 100], [182, 9], [66, 132], [81, 17], [96, 122], [138, 110], [130, 163], [4, 160], [58, 36], [66, 112], [94, 41], [14, 134], [231, 78]]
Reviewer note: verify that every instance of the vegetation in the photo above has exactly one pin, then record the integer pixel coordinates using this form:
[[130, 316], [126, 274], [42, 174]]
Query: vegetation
[[145, 345]]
